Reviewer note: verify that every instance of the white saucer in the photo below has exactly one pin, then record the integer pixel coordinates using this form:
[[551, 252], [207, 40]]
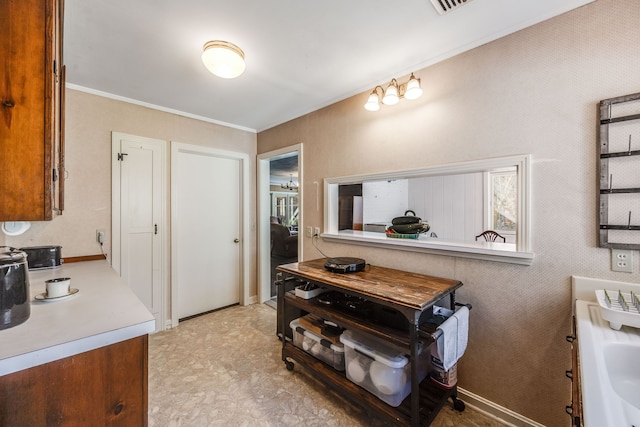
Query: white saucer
[[43, 296]]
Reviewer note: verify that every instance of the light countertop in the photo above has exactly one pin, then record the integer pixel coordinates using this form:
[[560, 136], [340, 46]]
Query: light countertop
[[104, 311]]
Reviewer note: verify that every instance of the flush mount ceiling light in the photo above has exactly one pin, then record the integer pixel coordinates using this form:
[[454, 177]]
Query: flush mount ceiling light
[[393, 93], [223, 59]]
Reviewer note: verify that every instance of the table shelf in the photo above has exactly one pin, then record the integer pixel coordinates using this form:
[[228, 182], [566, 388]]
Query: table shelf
[[412, 295]]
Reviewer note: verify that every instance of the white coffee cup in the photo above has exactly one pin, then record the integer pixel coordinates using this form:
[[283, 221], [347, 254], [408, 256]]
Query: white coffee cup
[[58, 287]]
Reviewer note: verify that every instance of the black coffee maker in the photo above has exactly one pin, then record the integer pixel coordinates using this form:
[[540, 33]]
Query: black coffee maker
[[15, 307]]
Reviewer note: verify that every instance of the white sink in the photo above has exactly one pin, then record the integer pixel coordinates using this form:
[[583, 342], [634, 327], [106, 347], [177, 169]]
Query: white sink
[[609, 373], [621, 361]]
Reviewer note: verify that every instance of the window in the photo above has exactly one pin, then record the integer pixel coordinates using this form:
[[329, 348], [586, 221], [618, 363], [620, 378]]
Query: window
[[502, 201], [284, 206]]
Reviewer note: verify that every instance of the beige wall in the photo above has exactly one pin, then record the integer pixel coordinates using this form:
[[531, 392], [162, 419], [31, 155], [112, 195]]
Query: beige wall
[[535, 92], [90, 119]]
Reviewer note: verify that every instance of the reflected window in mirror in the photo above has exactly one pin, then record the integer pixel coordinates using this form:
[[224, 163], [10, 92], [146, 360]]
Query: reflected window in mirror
[[501, 198]]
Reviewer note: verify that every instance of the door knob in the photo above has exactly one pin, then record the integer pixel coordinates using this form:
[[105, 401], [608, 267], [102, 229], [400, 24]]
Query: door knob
[[236, 240]]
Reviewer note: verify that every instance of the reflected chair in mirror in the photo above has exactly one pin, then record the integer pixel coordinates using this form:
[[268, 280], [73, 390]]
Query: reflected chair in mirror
[[491, 236], [283, 244]]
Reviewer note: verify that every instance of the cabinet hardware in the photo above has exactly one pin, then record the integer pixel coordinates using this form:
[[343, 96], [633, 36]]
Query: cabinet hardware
[[570, 338], [121, 156], [569, 374], [155, 228], [236, 240], [8, 104]]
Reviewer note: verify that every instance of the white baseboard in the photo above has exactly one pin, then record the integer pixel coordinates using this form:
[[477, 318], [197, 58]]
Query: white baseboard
[[495, 411], [253, 300]]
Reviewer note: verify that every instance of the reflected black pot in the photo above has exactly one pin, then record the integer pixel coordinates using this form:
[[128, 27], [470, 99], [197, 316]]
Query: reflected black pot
[[15, 307]]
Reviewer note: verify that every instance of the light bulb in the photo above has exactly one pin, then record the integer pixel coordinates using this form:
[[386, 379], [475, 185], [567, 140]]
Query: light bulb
[[373, 104], [413, 88], [391, 95]]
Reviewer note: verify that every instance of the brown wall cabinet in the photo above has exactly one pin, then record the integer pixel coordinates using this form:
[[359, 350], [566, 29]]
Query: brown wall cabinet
[[102, 387], [31, 109]]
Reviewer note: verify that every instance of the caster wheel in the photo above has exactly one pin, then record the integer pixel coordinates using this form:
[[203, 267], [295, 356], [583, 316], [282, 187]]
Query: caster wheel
[[458, 405], [289, 365]]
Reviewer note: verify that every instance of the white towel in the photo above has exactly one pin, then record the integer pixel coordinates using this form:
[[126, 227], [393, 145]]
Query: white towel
[[453, 341]]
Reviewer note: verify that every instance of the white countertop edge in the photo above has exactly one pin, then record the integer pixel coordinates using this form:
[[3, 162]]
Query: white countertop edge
[[60, 351], [594, 389]]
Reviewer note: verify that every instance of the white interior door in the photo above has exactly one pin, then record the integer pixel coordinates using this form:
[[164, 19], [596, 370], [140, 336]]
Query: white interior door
[[138, 223], [206, 223]]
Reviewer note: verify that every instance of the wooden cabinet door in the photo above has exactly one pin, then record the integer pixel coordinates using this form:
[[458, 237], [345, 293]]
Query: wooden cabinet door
[[102, 387], [30, 75]]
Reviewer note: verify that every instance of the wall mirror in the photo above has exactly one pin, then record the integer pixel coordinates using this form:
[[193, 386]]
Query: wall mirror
[[459, 201]]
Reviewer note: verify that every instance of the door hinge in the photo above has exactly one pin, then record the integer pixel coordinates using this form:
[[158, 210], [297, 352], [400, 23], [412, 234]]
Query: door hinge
[[121, 156]]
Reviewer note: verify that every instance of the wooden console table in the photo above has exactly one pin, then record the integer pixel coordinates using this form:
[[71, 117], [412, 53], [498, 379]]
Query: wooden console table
[[413, 295]]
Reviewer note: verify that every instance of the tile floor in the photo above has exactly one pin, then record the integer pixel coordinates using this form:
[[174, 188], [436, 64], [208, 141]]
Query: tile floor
[[225, 369]]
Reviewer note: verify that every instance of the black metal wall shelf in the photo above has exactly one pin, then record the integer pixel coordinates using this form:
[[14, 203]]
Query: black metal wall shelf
[[619, 119], [619, 190], [619, 227], [620, 154], [608, 196]]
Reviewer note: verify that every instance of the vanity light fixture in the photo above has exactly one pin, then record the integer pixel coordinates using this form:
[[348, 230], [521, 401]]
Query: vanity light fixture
[[393, 93], [223, 59]]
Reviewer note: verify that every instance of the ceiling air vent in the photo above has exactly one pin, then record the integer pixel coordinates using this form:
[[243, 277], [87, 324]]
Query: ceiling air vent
[[445, 6]]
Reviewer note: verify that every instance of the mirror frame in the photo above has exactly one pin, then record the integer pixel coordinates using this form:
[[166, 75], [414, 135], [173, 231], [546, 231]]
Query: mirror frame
[[518, 253]]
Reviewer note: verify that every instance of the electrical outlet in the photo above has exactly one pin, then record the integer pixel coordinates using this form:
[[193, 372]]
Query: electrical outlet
[[100, 236], [316, 231], [309, 231], [622, 260]]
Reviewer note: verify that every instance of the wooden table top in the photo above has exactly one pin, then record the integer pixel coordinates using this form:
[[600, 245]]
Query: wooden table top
[[411, 290]]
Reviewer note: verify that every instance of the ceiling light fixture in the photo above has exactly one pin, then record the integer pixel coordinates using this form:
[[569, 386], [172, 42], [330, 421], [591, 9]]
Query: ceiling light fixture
[[290, 185], [223, 59], [393, 93]]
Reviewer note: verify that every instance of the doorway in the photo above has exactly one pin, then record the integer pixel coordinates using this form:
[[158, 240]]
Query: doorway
[[280, 196], [209, 235]]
